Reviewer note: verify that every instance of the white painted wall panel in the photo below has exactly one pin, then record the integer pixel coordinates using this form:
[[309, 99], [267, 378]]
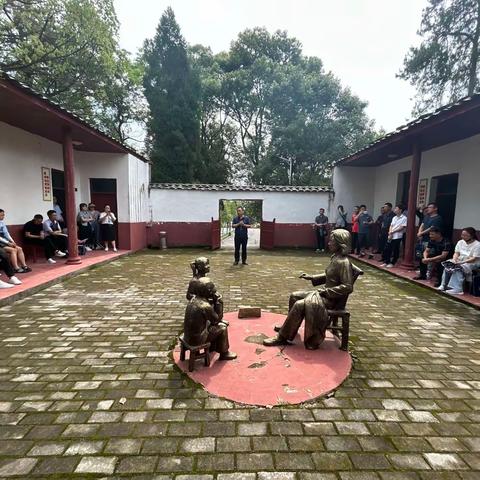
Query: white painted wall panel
[[201, 206], [353, 186]]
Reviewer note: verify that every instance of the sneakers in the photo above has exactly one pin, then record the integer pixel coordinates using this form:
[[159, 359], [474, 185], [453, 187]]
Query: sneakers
[[51, 261], [390, 265], [441, 288], [115, 249], [106, 249], [244, 263], [370, 256], [383, 264], [24, 269], [5, 284], [88, 249], [14, 281], [60, 254], [235, 263], [455, 292], [419, 277]]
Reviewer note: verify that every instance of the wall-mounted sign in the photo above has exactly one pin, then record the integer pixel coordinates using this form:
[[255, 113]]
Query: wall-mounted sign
[[422, 192], [46, 184]]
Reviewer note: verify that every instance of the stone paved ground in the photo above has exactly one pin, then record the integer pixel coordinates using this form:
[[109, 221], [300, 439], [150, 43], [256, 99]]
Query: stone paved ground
[[87, 388]]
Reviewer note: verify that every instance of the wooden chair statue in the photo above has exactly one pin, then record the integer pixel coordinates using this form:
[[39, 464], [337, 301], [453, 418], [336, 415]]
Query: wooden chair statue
[[197, 352], [342, 330]]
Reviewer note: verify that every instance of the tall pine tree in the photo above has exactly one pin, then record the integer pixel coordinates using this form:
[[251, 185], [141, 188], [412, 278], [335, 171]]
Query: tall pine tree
[[172, 90]]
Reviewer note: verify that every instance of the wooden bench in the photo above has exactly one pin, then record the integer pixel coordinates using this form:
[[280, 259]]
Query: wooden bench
[[195, 353], [33, 251]]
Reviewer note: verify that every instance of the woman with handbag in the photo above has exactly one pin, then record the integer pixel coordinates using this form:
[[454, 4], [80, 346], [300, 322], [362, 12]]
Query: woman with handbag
[[465, 259]]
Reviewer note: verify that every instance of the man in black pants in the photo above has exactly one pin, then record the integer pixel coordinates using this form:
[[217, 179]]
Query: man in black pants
[[241, 224], [34, 235]]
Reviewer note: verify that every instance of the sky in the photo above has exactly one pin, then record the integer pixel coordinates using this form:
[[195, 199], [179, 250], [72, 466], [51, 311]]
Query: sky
[[363, 42]]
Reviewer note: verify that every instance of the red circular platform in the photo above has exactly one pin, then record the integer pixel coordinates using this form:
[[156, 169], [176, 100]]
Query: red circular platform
[[270, 375]]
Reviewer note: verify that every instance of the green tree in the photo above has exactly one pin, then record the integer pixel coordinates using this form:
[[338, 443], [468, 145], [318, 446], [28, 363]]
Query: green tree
[[290, 114], [63, 49], [172, 89], [445, 67], [218, 134]]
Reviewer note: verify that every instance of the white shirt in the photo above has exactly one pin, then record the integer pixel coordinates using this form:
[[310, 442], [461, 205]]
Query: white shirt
[[398, 221], [467, 250], [107, 220]]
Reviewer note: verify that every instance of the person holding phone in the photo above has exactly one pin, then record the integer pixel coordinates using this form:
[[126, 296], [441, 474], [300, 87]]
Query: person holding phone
[[241, 223], [107, 220]]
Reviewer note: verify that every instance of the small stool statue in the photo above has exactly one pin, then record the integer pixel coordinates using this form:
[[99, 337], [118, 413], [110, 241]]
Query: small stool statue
[[202, 324], [336, 285]]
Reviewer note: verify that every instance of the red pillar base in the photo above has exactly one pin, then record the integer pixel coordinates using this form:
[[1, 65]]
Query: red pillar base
[[74, 261]]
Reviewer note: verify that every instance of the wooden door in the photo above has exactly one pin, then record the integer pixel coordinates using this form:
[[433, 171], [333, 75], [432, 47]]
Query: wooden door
[[267, 235], [215, 234]]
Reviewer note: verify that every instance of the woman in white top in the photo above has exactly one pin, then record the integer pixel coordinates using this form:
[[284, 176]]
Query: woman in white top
[[107, 228], [397, 228], [465, 259]]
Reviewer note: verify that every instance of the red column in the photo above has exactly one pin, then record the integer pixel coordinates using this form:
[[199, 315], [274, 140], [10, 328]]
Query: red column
[[71, 210], [412, 207]]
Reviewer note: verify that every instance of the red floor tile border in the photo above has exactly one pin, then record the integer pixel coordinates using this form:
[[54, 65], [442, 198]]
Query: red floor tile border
[[401, 272], [44, 275]]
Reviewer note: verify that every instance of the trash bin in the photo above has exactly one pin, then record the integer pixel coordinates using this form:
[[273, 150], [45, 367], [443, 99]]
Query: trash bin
[[163, 240]]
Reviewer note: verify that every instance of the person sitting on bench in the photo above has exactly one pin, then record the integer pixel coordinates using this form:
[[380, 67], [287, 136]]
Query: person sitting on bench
[[14, 251], [34, 235], [6, 266], [53, 231]]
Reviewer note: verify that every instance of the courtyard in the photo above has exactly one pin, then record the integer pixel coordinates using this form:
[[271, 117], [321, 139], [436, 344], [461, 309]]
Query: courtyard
[[88, 388]]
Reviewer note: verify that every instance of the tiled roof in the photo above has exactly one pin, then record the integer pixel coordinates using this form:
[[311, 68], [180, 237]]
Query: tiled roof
[[240, 188], [25, 88], [410, 127]]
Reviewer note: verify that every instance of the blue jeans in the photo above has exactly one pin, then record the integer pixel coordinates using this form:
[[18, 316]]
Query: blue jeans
[[455, 282]]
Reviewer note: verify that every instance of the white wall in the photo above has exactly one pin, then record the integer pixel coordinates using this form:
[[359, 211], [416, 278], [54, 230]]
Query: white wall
[[201, 206], [139, 180], [22, 155], [386, 178], [353, 186]]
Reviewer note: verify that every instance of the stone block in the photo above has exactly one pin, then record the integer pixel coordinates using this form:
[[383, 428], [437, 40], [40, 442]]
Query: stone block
[[249, 312]]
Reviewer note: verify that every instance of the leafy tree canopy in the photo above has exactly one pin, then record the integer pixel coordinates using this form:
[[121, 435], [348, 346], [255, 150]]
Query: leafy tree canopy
[[444, 67], [68, 51]]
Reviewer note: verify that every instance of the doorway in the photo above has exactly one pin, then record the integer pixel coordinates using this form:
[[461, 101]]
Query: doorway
[[228, 210], [443, 191], [103, 191], [58, 189]]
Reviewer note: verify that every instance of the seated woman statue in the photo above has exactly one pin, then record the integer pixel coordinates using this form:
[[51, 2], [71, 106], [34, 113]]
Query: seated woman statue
[[200, 268], [202, 324], [336, 284]]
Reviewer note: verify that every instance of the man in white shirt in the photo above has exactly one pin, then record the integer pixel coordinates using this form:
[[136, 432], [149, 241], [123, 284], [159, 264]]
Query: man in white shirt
[[395, 235]]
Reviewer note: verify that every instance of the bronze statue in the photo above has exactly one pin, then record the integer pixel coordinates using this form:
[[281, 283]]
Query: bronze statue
[[200, 268], [203, 324], [312, 306]]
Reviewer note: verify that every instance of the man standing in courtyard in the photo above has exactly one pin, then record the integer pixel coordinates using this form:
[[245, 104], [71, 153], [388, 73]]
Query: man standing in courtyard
[[241, 224], [320, 226]]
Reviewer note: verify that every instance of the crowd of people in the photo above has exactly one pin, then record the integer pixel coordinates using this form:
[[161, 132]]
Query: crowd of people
[[385, 236], [95, 230]]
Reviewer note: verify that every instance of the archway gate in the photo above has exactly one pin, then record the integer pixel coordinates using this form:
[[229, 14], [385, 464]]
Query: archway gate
[[189, 213]]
